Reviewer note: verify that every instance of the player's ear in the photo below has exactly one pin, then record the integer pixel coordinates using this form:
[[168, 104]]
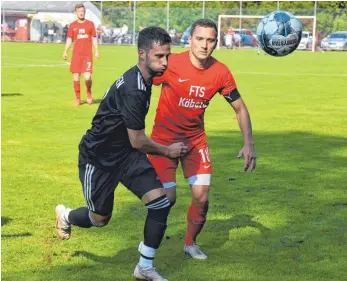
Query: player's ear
[[215, 44], [142, 54]]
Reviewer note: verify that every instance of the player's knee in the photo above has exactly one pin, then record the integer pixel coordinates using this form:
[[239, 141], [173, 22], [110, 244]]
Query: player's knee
[[87, 76], [104, 222], [76, 77], [201, 200], [158, 209], [99, 221]]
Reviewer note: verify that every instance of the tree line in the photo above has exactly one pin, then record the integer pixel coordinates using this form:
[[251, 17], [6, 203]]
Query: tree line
[[331, 16]]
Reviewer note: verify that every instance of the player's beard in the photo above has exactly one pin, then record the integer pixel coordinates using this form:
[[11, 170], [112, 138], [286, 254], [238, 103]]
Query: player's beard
[[150, 70]]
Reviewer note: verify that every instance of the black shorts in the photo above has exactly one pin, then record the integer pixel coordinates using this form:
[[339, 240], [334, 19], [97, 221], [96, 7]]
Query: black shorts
[[99, 184]]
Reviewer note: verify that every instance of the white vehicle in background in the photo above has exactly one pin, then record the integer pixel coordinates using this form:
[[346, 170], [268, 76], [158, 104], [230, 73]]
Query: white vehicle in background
[[336, 41], [306, 41]]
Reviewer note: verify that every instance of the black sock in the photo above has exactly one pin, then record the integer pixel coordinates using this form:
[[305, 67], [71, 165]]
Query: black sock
[[80, 217], [155, 226]]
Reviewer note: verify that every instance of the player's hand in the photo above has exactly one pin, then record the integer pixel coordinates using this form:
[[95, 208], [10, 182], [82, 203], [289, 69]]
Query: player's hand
[[97, 55], [176, 150], [65, 55], [248, 153]]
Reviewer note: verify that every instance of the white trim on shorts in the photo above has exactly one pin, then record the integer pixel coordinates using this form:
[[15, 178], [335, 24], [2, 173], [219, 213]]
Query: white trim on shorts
[[169, 184], [200, 179]]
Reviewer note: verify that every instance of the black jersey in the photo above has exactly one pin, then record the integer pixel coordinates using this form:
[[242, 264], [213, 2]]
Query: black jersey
[[125, 105]]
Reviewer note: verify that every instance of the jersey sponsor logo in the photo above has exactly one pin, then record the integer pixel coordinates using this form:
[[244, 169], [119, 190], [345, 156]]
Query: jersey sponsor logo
[[197, 91], [82, 36], [75, 29], [191, 103], [207, 166], [182, 80]]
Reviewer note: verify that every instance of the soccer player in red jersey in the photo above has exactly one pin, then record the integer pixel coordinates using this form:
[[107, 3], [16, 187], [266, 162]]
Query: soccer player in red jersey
[[191, 80], [82, 32]]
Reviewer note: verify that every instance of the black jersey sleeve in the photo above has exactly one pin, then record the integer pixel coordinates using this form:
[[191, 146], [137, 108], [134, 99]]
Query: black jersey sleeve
[[135, 108]]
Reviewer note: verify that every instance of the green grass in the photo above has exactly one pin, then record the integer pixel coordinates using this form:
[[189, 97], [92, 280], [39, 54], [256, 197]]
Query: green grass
[[287, 221]]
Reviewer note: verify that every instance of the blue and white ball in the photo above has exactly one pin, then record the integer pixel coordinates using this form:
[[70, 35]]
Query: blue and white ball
[[279, 33]]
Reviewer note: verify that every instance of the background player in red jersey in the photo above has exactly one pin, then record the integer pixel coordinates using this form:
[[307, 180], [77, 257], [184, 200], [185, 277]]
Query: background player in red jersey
[[189, 83], [82, 32]]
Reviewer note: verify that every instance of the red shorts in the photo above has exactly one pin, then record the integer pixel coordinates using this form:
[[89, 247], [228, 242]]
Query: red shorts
[[196, 165], [81, 64]]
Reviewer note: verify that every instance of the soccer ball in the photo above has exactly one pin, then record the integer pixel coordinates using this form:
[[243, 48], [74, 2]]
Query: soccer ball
[[279, 33]]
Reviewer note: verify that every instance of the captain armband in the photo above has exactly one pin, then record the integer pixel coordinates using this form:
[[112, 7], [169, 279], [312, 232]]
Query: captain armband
[[232, 96]]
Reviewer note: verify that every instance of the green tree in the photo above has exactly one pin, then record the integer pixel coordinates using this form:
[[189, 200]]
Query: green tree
[[340, 23]]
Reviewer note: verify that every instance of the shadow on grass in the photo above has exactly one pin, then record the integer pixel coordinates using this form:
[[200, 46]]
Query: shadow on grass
[[295, 173], [16, 235], [11, 94], [5, 220], [95, 101]]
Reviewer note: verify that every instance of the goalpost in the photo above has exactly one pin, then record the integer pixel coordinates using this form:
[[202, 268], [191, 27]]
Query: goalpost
[[240, 17]]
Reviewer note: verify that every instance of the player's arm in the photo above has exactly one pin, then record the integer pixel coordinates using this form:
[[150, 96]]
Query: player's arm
[[134, 111], [95, 43], [68, 42], [245, 124], [233, 97], [140, 141]]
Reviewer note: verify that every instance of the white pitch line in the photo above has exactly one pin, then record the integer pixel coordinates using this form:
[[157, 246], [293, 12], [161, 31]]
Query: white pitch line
[[292, 74], [32, 59], [34, 65], [10, 65]]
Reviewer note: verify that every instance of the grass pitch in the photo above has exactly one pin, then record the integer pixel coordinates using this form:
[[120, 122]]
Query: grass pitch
[[287, 221]]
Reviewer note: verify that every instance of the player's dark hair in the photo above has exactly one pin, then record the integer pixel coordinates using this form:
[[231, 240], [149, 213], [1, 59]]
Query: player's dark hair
[[152, 34], [79, 5], [203, 23]]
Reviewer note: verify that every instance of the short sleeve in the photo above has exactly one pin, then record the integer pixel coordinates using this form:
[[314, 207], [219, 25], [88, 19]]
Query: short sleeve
[[69, 32], [134, 108], [227, 81], [93, 30]]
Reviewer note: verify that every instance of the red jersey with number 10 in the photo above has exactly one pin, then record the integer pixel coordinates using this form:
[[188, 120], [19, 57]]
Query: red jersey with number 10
[[185, 94], [82, 34]]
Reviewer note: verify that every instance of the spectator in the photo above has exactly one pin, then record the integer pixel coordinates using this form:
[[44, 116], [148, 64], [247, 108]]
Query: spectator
[[45, 34], [65, 29], [55, 30]]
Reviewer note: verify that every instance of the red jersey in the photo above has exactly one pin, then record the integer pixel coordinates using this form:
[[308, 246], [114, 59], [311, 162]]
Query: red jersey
[[185, 94], [82, 34]]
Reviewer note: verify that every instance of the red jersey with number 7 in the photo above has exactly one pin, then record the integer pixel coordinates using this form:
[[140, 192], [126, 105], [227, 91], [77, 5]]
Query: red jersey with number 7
[[82, 34], [185, 94]]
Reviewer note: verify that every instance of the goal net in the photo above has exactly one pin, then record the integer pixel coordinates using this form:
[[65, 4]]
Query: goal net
[[239, 31]]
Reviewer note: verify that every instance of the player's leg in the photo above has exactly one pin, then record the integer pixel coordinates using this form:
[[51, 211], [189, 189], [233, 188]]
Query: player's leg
[[77, 88], [166, 171], [98, 189], [197, 168], [142, 180], [75, 69], [88, 69]]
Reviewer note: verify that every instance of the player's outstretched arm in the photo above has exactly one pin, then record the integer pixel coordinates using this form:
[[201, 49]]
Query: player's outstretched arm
[[140, 141], [244, 120], [67, 46]]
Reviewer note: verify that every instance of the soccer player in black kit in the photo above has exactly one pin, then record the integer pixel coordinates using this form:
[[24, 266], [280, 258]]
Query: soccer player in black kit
[[114, 150]]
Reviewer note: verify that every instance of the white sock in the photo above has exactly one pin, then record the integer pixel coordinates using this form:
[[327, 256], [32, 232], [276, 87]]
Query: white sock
[[147, 256], [65, 216]]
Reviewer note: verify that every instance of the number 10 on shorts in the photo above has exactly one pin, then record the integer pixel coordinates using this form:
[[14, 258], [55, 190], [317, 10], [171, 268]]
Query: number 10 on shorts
[[205, 156]]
